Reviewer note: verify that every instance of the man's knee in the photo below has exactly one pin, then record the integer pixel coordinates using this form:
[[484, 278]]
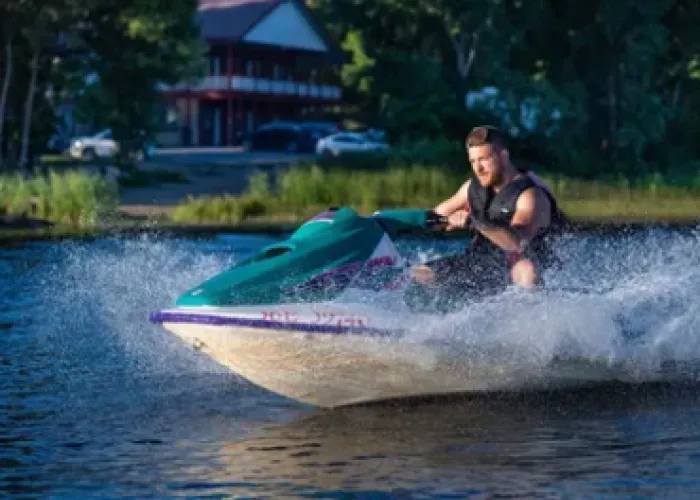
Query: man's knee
[[423, 274], [524, 273]]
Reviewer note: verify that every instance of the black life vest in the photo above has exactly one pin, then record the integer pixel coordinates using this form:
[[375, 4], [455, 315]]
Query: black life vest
[[498, 209]]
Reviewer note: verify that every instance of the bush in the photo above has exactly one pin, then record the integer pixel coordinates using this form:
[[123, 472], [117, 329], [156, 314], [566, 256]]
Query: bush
[[220, 209], [72, 197]]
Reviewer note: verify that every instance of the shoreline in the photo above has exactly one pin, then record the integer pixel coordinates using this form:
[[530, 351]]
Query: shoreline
[[146, 209], [161, 227]]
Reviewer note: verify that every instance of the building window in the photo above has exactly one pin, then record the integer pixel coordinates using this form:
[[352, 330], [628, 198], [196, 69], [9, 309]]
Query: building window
[[249, 68], [215, 65]]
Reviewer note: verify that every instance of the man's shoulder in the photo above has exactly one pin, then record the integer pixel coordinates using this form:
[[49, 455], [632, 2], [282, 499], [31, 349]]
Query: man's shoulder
[[534, 199], [464, 188], [535, 192]]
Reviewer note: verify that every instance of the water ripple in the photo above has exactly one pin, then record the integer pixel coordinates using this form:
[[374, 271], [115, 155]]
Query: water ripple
[[95, 401]]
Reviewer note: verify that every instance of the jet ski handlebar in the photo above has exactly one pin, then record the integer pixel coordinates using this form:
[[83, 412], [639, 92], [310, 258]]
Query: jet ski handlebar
[[405, 221], [435, 222]]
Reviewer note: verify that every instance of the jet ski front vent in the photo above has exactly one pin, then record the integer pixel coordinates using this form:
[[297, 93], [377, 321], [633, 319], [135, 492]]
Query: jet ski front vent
[[273, 252]]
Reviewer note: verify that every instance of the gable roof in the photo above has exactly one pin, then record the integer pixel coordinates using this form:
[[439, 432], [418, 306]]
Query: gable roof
[[232, 20]]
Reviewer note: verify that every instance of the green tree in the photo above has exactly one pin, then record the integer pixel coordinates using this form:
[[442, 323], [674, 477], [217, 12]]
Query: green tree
[[457, 46], [620, 75], [8, 20], [133, 46], [414, 99], [45, 20]]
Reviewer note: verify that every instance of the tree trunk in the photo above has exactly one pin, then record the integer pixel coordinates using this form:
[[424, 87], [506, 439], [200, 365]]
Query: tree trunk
[[28, 110], [677, 93], [5, 91], [612, 104], [465, 56]]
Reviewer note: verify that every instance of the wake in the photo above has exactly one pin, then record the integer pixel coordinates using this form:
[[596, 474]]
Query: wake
[[628, 303]]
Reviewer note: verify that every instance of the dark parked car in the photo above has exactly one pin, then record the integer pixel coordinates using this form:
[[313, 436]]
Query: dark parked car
[[290, 137]]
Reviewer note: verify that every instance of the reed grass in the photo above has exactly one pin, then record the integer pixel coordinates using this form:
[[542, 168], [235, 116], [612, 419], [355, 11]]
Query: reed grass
[[303, 191], [71, 197]]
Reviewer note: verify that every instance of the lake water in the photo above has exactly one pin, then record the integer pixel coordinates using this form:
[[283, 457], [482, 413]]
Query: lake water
[[97, 402]]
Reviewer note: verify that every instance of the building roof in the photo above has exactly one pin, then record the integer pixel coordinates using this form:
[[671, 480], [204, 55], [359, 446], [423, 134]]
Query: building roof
[[231, 19]]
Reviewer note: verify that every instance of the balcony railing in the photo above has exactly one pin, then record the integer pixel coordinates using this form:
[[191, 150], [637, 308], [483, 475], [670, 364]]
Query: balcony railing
[[259, 86]]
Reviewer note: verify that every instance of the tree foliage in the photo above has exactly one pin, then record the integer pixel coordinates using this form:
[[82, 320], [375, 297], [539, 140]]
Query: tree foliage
[[587, 86], [619, 76], [106, 57], [135, 45]]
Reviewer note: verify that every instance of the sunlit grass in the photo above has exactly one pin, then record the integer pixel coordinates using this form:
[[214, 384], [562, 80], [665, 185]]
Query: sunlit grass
[[222, 209], [635, 209], [71, 197], [301, 192]]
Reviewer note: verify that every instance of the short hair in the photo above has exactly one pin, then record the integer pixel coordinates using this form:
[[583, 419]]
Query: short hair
[[486, 134]]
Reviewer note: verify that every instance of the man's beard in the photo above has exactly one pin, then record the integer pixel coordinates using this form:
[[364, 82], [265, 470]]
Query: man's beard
[[496, 178]]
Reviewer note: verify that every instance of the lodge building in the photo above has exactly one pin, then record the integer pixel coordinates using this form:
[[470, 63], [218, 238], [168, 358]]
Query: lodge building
[[268, 59]]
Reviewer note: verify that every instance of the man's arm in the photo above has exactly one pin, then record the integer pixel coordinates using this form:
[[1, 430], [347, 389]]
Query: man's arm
[[456, 202], [532, 213]]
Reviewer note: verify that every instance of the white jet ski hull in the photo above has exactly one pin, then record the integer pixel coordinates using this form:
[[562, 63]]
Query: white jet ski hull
[[328, 356]]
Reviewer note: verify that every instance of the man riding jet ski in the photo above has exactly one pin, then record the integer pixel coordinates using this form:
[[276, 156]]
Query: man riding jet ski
[[513, 215], [292, 318]]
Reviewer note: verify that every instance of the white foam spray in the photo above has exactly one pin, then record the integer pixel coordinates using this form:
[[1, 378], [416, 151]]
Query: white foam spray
[[630, 302], [627, 300], [95, 298]]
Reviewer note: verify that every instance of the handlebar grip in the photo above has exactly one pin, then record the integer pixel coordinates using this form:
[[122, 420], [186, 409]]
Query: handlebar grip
[[435, 221]]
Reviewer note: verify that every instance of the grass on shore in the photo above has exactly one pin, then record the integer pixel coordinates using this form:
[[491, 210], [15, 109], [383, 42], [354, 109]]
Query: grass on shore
[[301, 192], [81, 203], [70, 198]]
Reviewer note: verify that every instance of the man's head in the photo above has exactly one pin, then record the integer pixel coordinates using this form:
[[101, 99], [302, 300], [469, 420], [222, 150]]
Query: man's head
[[488, 155]]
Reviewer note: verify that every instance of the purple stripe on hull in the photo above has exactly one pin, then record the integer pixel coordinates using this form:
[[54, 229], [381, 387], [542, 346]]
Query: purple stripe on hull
[[212, 319]]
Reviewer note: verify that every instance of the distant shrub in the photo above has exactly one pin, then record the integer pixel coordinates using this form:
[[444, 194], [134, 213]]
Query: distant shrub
[[72, 197]]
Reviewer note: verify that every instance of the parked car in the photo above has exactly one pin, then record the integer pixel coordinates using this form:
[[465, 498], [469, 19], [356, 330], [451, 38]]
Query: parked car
[[99, 145], [290, 136], [319, 130], [103, 145], [277, 136], [349, 142]]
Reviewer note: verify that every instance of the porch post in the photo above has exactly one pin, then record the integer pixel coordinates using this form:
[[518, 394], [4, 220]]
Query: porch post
[[187, 139], [229, 97]]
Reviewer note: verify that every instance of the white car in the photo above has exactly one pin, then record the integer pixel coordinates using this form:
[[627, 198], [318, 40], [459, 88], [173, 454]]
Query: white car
[[99, 145], [102, 145], [349, 142]]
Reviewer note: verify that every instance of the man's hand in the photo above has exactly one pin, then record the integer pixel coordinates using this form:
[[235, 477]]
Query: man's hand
[[458, 220]]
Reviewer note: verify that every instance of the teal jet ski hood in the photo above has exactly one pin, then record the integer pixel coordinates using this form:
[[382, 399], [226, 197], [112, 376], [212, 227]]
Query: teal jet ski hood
[[318, 261]]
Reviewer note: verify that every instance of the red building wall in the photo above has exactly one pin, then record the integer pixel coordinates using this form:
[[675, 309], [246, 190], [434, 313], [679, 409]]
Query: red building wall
[[246, 87]]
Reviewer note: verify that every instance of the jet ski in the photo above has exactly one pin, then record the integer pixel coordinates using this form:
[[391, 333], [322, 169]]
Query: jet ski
[[285, 318]]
